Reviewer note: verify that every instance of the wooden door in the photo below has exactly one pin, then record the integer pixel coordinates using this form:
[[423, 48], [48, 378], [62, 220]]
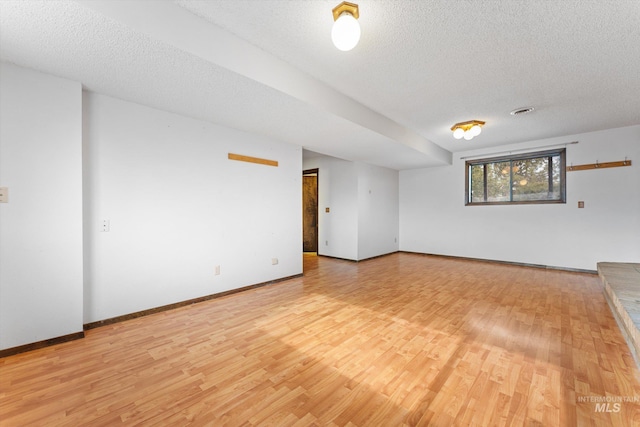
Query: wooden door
[[310, 213]]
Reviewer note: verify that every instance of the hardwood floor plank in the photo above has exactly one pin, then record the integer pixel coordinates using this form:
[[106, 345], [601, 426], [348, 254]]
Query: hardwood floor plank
[[401, 340]]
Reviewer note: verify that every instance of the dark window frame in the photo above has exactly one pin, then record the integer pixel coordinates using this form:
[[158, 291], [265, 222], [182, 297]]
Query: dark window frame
[[516, 157]]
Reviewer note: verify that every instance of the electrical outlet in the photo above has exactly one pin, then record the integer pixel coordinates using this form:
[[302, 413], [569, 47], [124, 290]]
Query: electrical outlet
[[106, 226], [217, 270], [274, 261]]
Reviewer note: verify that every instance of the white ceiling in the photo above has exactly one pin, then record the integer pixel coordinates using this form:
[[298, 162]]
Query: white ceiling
[[268, 67]]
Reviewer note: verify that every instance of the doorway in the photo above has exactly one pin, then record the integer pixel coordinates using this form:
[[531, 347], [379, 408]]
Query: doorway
[[310, 211]]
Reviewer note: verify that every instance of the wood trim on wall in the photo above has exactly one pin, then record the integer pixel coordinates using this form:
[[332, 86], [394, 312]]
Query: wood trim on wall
[[250, 159], [596, 165], [154, 310], [360, 260], [41, 344], [310, 171], [105, 322], [58, 340], [517, 264]]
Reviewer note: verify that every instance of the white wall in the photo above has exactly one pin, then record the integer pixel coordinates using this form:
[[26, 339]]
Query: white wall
[[433, 218], [378, 212], [41, 226], [363, 201], [337, 190], [178, 207]]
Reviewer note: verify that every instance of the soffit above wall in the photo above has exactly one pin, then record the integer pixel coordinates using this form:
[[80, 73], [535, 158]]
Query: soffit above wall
[[419, 68]]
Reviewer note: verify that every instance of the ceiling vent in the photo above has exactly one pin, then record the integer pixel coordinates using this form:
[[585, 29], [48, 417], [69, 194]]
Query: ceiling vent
[[520, 111]]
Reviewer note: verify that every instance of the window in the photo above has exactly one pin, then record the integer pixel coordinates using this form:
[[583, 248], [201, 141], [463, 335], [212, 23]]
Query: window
[[516, 179]]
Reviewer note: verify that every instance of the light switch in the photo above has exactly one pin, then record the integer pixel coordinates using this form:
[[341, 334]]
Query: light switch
[[4, 195]]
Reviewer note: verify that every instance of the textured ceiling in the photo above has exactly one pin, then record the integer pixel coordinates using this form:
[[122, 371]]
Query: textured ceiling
[[420, 67]]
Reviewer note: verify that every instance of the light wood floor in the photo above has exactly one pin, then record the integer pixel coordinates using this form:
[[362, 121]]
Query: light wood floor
[[399, 340]]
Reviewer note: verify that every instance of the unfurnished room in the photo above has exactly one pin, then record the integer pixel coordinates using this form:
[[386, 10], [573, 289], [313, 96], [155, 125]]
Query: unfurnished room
[[319, 213]]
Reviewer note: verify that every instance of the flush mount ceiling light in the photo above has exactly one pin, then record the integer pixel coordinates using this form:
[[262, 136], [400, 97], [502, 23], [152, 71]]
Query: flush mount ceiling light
[[467, 130], [346, 29]]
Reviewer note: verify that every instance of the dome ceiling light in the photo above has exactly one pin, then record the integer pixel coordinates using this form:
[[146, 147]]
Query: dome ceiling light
[[345, 33], [467, 130]]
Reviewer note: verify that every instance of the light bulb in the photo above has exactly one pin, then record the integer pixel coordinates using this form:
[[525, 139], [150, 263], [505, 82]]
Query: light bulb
[[458, 133], [475, 130], [468, 135], [345, 32]]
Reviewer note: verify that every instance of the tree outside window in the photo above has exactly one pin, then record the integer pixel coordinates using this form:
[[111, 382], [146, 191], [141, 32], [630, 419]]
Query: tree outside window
[[518, 179]]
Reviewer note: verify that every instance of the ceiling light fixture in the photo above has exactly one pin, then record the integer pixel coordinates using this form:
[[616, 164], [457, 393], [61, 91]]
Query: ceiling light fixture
[[346, 29], [467, 130]]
